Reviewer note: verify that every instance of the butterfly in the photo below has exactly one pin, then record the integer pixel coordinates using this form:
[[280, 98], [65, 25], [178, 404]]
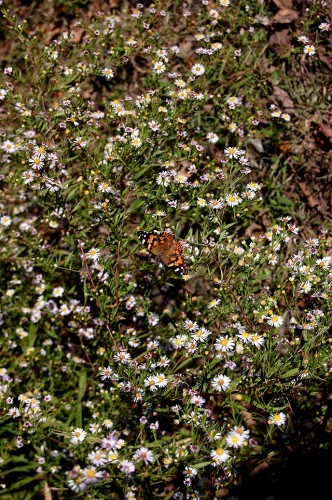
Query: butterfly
[[166, 247]]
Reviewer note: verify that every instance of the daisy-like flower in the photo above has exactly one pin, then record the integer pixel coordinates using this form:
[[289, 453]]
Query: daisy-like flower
[[3, 93], [5, 221], [163, 361], [94, 428], [324, 263], [161, 380], [136, 142], [212, 137], [77, 436], [77, 484], [97, 457], [233, 102], [14, 412], [275, 320], [219, 456], [145, 455], [257, 340], [232, 152], [216, 204], [58, 291], [253, 186], [107, 373], [213, 303], [198, 69], [224, 344], [36, 162], [221, 382], [238, 250], [200, 335], [309, 49], [190, 471], [305, 287], [183, 94], [324, 26], [159, 67], [8, 147], [235, 440], [108, 73], [104, 187], [118, 108], [192, 326], [28, 176], [90, 475], [127, 467], [277, 419], [93, 254], [181, 179], [154, 126], [216, 46], [151, 382], [245, 433], [179, 341], [233, 199], [303, 39], [197, 400], [201, 202], [191, 346], [108, 423]]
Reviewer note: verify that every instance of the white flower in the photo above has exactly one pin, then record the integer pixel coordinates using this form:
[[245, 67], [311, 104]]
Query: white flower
[[221, 382], [233, 199], [93, 254], [309, 49], [159, 67], [108, 73], [306, 287], [5, 221], [224, 344], [77, 436], [257, 340], [212, 137], [235, 440], [58, 291], [277, 419], [198, 69], [3, 93], [324, 26], [232, 152], [219, 455], [136, 142], [91, 476], [145, 455], [275, 320]]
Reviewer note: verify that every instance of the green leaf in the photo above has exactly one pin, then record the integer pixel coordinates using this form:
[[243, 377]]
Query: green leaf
[[290, 373]]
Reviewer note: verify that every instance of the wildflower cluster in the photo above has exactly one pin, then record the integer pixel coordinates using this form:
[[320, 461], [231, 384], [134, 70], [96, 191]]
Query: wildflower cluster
[[115, 368]]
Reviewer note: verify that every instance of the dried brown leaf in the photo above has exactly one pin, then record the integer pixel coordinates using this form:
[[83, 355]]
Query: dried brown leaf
[[280, 41], [285, 16], [327, 131], [313, 202], [283, 4], [283, 99], [78, 33], [253, 230], [257, 144]]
